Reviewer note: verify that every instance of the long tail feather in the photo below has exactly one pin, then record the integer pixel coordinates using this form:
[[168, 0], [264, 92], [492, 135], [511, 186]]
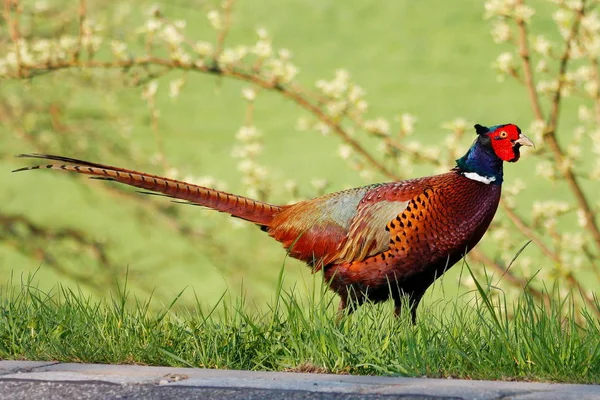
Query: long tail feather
[[238, 206]]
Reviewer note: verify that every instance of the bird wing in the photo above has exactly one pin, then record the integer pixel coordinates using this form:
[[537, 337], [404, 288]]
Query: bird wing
[[368, 233], [314, 230]]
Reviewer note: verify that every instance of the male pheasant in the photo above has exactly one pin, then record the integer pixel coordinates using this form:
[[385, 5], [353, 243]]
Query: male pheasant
[[372, 243]]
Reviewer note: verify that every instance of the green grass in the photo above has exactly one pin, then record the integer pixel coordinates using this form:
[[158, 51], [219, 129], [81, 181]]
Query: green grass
[[485, 339]]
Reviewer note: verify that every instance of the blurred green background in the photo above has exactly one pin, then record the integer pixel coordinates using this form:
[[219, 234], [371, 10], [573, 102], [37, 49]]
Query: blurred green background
[[432, 59]]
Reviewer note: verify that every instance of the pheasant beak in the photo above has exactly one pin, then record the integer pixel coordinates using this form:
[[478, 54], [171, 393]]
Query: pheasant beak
[[524, 141]]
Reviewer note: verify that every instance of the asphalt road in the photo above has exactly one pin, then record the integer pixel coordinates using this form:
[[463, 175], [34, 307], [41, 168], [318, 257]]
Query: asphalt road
[[46, 380], [18, 389]]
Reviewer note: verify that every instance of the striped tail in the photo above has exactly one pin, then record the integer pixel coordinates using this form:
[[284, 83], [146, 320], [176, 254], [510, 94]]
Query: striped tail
[[237, 206]]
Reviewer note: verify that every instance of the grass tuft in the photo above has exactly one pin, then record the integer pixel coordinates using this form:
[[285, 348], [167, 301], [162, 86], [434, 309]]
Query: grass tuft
[[485, 339]]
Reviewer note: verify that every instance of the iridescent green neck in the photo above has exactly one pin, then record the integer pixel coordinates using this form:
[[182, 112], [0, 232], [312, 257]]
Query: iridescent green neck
[[480, 160]]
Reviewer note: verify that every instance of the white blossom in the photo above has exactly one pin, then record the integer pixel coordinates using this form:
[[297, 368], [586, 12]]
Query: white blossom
[[303, 124], [501, 31], [175, 87], [458, 125], [290, 185], [536, 131], [283, 71], [562, 18], [284, 54], [67, 42], [414, 146], [549, 208], [584, 113], [246, 166], [249, 93], [432, 153], [319, 184], [366, 174], [581, 218], [172, 172], [335, 108], [172, 36], [594, 174], [501, 8], [337, 87], [355, 93], [505, 63], [541, 66], [547, 86], [262, 33], [41, 6], [345, 151], [378, 126], [591, 88], [542, 45], [515, 187], [262, 49], [214, 17], [323, 128], [361, 106], [179, 24], [153, 25], [574, 5], [150, 90], [230, 57], [181, 56], [119, 48], [524, 12], [407, 123], [247, 133], [203, 49], [545, 169]]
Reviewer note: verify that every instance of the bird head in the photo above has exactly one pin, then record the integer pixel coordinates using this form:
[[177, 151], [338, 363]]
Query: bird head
[[505, 140], [494, 145]]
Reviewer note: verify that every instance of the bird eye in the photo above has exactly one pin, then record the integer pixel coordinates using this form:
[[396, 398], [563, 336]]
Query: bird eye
[[503, 134]]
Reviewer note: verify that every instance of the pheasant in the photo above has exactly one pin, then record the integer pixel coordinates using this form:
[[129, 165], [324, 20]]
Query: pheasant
[[373, 243]]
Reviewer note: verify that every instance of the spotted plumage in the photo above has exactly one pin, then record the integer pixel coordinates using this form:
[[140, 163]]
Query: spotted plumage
[[376, 242]]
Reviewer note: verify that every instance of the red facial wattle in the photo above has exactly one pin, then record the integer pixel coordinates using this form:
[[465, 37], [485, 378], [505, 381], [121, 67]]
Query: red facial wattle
[[507, 141]]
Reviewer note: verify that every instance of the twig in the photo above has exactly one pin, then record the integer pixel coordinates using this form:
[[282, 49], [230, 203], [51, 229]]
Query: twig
[[513, 279], [12, 21], [81, 12], [224, 31], [236, 73], [530, 233], [589, 300], [594, 70], [527, 68]]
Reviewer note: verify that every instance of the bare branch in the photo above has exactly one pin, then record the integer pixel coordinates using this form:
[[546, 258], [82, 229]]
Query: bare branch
[[527, 68], [81, 13], [236, 73], [12, 21], [224, 31], [530, 233]]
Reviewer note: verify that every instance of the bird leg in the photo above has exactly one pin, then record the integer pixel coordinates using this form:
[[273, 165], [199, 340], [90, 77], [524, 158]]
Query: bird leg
[[342, 311], [349, 302], [413, 302]]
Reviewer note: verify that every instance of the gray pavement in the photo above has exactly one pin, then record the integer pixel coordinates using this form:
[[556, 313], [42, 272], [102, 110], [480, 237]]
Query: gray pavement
[[47, 380]]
